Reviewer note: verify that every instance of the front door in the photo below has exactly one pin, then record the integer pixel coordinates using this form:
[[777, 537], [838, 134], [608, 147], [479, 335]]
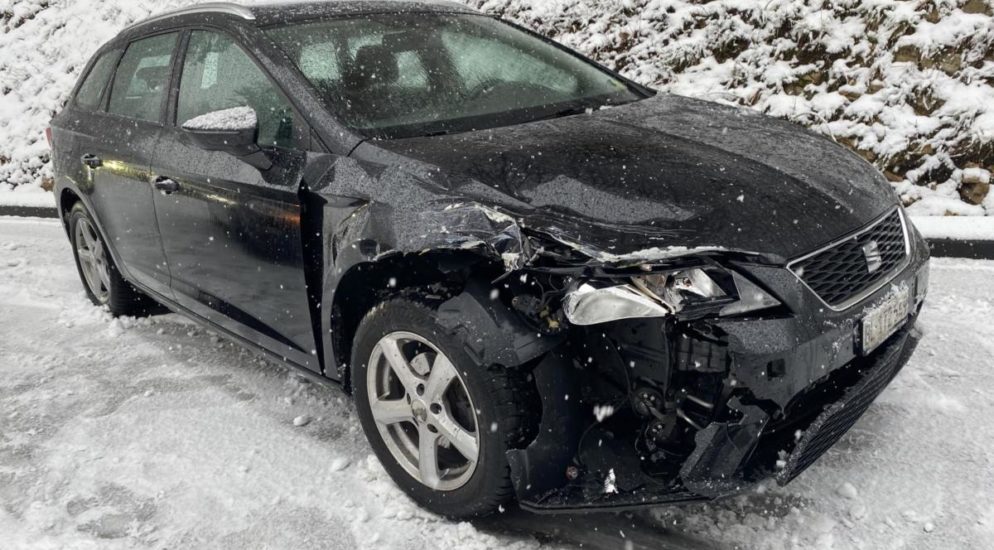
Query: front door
[[231, 231], [116, 153]]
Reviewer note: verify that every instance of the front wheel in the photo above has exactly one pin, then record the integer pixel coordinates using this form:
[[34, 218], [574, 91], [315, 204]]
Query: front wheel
[[101, 279], [438, 422]]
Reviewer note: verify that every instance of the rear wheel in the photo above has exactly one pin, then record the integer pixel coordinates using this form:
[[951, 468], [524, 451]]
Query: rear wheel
[[438, 422], [101, 279]]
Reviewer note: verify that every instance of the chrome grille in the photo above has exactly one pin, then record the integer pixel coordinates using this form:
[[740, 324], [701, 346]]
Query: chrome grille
[[848, 270]]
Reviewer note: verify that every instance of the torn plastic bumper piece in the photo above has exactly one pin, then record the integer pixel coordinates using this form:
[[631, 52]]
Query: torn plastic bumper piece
[[714, 468], [723, 463], [491, 332], [840, 416]]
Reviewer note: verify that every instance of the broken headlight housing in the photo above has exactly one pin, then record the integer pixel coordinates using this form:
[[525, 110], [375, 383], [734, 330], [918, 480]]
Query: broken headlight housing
[[697, 292]]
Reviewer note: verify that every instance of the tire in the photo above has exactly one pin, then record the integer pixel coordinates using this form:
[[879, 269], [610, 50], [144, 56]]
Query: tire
[[102, 280], [498, 395]]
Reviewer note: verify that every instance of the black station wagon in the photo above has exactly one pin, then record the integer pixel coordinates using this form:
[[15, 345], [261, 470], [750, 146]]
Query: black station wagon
[[539, 280]]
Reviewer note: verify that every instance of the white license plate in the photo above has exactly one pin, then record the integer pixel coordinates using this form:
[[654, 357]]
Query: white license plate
[[883, 320]]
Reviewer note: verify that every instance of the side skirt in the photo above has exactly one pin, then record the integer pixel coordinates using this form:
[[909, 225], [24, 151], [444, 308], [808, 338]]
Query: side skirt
[[246, 343]]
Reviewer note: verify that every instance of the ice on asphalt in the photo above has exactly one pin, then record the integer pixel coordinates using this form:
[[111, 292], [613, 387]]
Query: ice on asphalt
[[124, 433]]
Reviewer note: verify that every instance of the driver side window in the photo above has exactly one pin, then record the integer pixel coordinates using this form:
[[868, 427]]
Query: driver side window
[[218, 75]]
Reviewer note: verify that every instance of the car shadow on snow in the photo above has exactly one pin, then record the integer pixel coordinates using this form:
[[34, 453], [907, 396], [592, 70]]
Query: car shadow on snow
[[607, 531]]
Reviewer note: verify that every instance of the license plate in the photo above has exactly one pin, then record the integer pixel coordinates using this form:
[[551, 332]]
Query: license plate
[[883, 320]]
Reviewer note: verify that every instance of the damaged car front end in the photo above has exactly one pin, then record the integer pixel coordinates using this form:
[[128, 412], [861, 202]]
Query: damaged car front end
[[700, 374], [670, 364], [679, 373], [687, 298]]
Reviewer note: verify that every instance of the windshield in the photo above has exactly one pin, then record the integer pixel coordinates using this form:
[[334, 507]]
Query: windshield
[[404, 75]]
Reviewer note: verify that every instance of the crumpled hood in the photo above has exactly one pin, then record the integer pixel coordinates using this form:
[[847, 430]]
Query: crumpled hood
[[664, 172]]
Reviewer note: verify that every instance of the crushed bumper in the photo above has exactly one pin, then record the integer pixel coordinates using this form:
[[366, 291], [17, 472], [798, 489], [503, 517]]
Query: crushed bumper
[[699, 410], [840, 416], [574, 465]]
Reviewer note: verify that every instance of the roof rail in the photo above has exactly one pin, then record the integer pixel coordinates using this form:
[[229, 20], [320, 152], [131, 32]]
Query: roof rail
[[206, 7]]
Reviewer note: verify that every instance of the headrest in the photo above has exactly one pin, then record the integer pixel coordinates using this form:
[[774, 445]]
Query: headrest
[[373, 65], [153, 77]]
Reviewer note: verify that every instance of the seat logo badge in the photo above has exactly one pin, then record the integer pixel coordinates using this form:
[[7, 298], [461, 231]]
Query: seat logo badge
[[874, 260]]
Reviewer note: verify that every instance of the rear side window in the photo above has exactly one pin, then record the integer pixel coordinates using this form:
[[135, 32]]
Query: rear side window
[[218, 74], [142, 78], [92, 89]]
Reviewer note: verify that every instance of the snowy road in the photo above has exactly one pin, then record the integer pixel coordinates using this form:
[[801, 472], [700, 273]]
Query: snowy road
[[153, 433]]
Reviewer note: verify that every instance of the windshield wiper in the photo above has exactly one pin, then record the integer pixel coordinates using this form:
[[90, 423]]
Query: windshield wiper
[[439, 133], [578, 109]]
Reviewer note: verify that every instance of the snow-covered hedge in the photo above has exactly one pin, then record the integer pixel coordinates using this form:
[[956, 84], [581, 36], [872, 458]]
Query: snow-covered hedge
[[908, 84], [43, 47]]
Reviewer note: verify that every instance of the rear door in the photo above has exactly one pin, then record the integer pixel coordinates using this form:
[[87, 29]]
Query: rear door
[[115, 152], [232, 231], [82, 116]]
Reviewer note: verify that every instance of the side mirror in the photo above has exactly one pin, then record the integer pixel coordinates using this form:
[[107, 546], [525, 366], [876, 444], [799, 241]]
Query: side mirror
[[234, 131]]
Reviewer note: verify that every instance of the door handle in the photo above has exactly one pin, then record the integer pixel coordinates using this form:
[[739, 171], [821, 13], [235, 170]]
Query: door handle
[[91, 161], [166, 185]]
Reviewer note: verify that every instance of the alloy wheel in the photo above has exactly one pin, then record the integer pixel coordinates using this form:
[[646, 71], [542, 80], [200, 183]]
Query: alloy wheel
[[92, 260], [423, 411]]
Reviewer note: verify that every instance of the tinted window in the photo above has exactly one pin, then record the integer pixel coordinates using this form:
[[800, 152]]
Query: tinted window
[[218, 74], [142, 78], [88, 96], [393, 76]]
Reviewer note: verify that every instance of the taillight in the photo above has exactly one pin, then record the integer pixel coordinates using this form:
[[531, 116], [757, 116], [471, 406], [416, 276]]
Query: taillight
[[48, 136]]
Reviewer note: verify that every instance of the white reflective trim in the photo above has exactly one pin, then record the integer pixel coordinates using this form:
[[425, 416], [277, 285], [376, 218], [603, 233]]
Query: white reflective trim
[[588, 305]]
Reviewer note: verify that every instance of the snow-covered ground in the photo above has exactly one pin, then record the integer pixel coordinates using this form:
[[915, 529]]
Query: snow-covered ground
[[956, 227], [27, 195], [154, 433]]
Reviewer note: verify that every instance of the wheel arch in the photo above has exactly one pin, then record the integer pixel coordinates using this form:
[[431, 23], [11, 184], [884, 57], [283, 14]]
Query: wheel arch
[[432, 276], [67, 199]]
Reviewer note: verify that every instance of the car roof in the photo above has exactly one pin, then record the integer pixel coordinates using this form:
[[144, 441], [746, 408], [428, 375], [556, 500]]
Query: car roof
[[289, 11]]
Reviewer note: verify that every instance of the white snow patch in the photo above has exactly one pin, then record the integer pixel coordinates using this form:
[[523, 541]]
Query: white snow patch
[[610, 483], [234, 119], [338, 464], [302, 421], [27, 195], [847, 490], [602, 412], [955, 227]]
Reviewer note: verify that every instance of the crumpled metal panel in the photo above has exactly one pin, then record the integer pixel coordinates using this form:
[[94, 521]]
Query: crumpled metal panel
[[636, 180]]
